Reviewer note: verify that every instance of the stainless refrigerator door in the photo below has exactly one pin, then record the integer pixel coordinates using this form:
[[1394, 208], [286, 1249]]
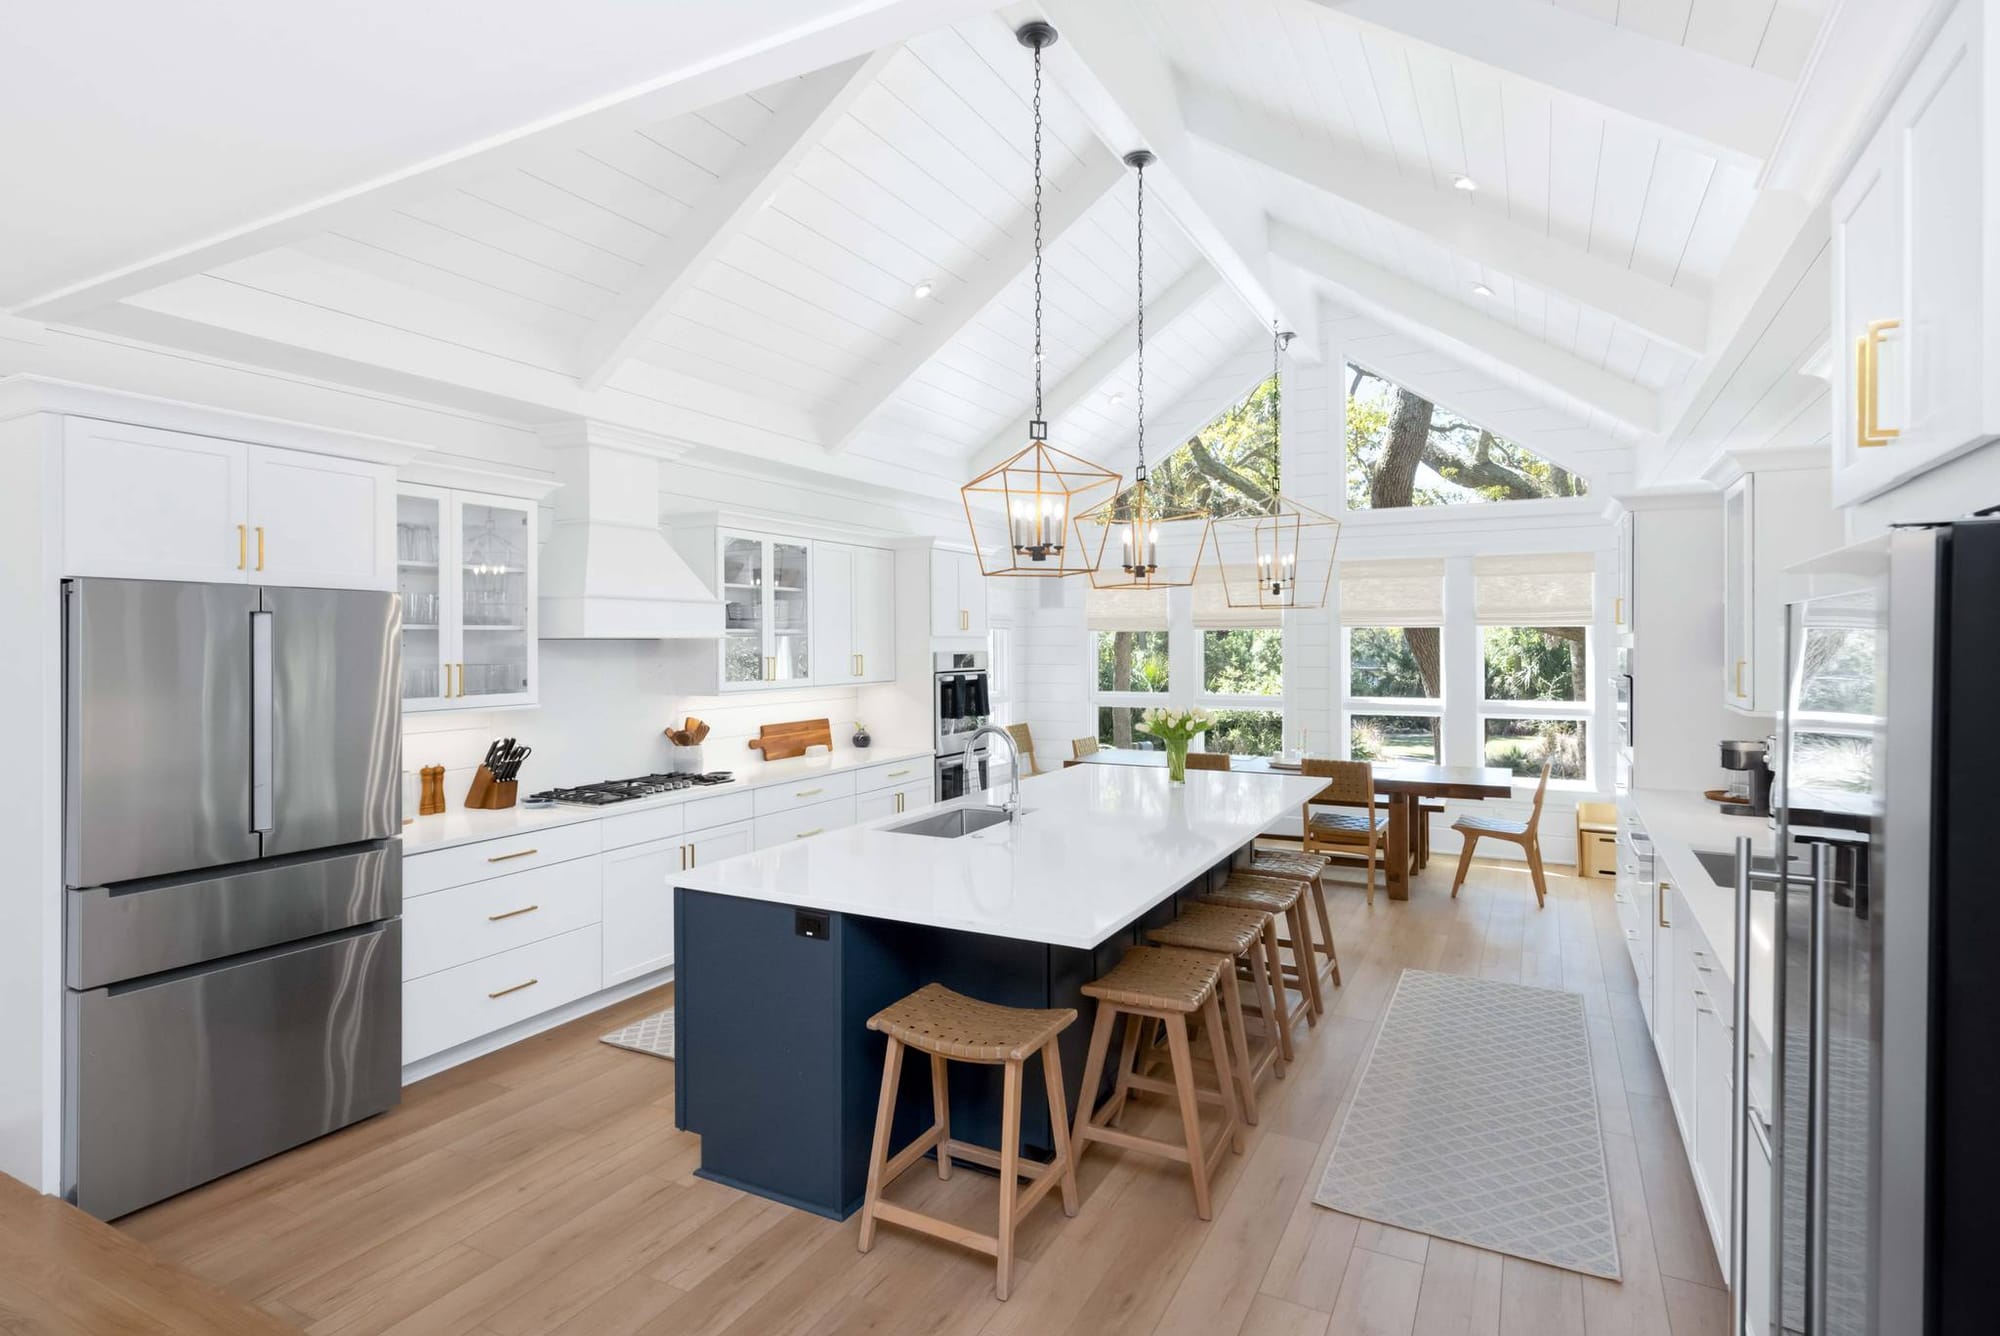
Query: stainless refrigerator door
[[327, 746], [157, 722], [187, 1076]]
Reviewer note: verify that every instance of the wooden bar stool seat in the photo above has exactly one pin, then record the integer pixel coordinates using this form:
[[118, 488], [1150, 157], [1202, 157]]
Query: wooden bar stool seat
[[1238, 934], [1284, 899], [1166, 984], [951, 1026], [1311, 867]]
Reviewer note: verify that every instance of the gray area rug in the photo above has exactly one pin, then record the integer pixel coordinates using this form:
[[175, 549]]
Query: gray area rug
[[654, 1035], [1476, 1121]]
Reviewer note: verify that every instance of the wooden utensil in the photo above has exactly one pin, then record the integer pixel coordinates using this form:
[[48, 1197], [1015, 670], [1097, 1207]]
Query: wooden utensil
[[779, 741]]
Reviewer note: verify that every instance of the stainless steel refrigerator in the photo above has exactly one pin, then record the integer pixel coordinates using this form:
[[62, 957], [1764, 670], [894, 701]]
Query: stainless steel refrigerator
[[233, 871], [1887, 1051]]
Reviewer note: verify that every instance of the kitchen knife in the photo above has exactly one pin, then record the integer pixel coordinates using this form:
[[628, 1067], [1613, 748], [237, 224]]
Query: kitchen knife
[[492, 755]]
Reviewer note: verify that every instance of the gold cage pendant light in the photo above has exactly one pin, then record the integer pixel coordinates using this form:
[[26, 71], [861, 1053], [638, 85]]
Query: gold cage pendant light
[[1281, 557], [1023, 513], [1139, 539]]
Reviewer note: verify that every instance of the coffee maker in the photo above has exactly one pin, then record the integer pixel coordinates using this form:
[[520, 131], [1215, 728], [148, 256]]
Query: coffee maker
[[1750, 795]]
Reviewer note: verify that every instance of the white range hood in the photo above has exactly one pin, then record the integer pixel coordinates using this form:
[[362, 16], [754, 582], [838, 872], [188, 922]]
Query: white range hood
[[608, 571]]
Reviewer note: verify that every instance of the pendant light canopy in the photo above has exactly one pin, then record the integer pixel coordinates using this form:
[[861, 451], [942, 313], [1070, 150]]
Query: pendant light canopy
[[1023, 513], [1282, 557], [1138, 540]]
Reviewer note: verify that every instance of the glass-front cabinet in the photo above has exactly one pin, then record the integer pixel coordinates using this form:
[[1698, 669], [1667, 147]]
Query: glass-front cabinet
[[766, 589], [465, 565]]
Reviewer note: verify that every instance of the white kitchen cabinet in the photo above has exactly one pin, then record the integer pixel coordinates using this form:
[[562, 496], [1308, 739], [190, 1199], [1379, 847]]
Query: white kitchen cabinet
[[1772, 519], [853, 614], [465, 565], [802, 823], [1916, 270], [1622, 605], [1739, 605], [958, 594], [712, 844], [1757, 1207], [1714, 1108], [766, 589], [147, 504], [1666, 974], [639, 908], [892, 802]]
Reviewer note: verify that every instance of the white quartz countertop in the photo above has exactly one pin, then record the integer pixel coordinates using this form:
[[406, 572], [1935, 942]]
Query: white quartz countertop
[[1681, 823], [459, 825], [1096, 847]]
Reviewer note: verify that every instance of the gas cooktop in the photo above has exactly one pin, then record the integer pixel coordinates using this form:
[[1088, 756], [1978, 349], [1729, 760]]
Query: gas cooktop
[[610, 791]]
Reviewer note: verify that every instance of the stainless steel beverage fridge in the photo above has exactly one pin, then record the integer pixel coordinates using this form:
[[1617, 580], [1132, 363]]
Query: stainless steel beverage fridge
[[233, 877], [1887, 922]]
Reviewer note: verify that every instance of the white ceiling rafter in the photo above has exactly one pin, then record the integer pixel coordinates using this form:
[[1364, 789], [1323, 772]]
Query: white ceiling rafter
[[852, 31], [1714, 105], [813, 107], [1655, 308], [963, 301], [1104, 362], [1455, 328], [1127, 92]]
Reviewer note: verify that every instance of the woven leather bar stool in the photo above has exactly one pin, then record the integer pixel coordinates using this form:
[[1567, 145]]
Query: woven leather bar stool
[[1238, 934], [1165, 984], [1284, 899], [1312, 867], [949, 1026]]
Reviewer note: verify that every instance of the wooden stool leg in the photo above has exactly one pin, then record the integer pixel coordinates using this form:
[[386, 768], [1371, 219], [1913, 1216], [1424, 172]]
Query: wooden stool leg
[[878, 1156], [1302, 960], [1325, 927], [1225, 1070], [1010, 1176], [1128, 1066], [1059, 1125], [1464, 863], [1269, 1005], [941, 1114], [1183, 1060], [1093, 1074], [1232, 1006], [1281, 1013]]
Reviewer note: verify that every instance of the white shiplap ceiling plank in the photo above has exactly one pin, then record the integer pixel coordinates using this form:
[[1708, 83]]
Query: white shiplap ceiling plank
[[1673, 200], [1624, 180], [406, 235]]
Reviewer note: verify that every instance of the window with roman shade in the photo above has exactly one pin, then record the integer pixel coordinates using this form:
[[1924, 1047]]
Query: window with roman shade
[[1534, 615], [1391, 613]]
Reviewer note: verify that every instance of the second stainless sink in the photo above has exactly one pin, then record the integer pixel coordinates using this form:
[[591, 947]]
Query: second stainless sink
[[953, 823]]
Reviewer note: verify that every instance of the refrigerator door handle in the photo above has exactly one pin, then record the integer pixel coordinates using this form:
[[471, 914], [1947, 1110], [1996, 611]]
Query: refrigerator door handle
[[1816, 1096], [262, 722], [1739, 1162]]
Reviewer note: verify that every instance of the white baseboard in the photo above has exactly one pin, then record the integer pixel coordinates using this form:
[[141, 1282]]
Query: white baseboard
[[534, 1025]]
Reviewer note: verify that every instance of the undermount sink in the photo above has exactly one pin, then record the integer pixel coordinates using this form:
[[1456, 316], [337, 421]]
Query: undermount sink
[[952, 824]]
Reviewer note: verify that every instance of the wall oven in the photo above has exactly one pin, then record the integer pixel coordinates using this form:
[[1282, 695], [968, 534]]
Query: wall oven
[[960, 703]]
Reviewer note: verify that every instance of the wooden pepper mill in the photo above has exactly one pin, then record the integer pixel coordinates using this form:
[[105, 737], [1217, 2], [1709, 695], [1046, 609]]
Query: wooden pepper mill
[[432, 800]]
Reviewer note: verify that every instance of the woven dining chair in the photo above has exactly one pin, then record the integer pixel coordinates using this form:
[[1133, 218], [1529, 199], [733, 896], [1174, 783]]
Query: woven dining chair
[[1208, 760], [1350, 784]]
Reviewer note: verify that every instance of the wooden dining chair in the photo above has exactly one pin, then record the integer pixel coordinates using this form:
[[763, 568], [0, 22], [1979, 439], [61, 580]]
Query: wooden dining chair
[[1350, 784], [1208, 760], [1527, 834], [1082, 747], [1024, 743]]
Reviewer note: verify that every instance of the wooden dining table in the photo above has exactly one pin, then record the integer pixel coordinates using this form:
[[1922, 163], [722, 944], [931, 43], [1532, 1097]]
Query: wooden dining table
[[1404, 783]]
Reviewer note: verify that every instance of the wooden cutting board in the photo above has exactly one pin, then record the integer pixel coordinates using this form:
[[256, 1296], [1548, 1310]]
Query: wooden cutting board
[[779, 741]]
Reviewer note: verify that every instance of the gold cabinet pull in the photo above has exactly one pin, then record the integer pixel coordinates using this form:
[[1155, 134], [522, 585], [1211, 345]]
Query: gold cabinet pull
[[502, 858], [512, 913], [461, 677], [515, 989], [964, 620], [898, 774], [260, 547], [1867, 378], [770, 668], [816, 830], [808, 793], [1618, 610], [242, 546], [1739, 677], [1661, 899]]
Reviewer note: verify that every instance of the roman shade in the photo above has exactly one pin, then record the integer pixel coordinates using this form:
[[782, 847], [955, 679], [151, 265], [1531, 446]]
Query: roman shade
[[1532, 589], [1125, 609], [1406, 592], [1212, 611]]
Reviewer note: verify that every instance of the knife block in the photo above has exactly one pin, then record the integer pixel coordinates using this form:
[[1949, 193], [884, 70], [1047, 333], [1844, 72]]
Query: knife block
[[489, 794]]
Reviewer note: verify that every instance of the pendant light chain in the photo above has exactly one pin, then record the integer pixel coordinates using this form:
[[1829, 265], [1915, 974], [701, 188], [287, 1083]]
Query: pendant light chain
[[1140, 388], [1038, 243]]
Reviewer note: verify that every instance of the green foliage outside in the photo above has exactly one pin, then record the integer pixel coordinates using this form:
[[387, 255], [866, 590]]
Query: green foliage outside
[[1381, 663], [1521, 745], [1382, 737], [1455, 462], [1229, 467], [1245, 732], [1246, 662], [1535, 663], [1132, 661]]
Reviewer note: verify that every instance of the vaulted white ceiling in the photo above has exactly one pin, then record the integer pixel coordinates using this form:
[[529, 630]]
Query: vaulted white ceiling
[[712, 220]]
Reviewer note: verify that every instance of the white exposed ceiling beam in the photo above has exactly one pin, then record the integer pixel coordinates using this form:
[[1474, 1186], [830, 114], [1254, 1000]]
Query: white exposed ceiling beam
[[971, 294], [1716, 106], [1447, 217], [1455, 328], [1126, 91], [1105, 361], [814, 106], [850, 31]]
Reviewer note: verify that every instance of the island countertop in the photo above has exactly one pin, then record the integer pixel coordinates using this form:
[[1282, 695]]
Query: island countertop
[[1096, 847]]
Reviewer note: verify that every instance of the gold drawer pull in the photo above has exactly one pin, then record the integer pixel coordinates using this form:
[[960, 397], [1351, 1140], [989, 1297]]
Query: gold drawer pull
[[242, 546], [501, 858], [1618, 611], [260, 547], [1868, 368], [808, 793], [515, 989], [816, 830], [898, 774], [512, 913]]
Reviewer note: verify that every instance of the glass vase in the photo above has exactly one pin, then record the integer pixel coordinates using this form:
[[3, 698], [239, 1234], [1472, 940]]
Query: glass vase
[[1177, 761]]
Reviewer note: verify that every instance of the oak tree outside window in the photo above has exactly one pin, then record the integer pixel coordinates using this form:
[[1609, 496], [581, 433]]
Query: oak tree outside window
[[1404, 450]]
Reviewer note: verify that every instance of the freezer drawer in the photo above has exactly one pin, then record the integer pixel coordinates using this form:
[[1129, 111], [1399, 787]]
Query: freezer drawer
[[188, 1076], [147, 927]]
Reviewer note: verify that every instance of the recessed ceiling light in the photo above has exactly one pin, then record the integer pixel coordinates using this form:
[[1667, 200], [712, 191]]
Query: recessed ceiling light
[[1481, 290], [1117, 396], [922, 290], [1464, 182]]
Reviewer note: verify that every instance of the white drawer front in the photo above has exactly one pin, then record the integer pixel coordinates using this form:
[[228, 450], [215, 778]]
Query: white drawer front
[[722, 810], [464, 863], [463, 923], [805, 792], [895, 775], [802, 823], [454, 1006], [657, 823]]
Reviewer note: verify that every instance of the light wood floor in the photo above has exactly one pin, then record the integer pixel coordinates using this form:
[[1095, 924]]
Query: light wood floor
[[543, 1189]]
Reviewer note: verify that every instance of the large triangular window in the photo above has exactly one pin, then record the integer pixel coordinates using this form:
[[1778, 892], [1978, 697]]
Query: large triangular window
[[1404, 450]]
